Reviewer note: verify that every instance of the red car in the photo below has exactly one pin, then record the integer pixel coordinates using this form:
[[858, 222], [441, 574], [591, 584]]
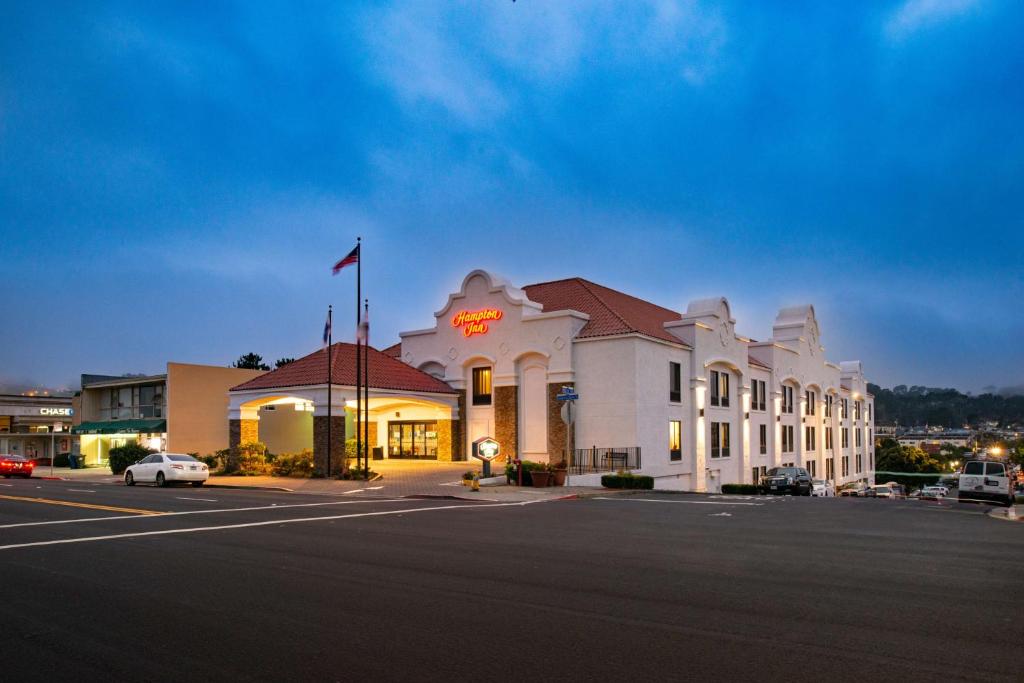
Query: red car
[[15, 466]]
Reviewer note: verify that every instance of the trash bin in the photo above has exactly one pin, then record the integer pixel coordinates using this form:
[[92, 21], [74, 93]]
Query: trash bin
[[73, 461], [378, 452]]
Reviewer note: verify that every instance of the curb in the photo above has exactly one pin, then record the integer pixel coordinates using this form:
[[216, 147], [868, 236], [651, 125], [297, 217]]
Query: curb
[[1001, 514], [439, 496]]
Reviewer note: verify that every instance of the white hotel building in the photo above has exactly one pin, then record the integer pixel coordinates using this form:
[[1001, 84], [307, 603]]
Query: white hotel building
[[698, 404]]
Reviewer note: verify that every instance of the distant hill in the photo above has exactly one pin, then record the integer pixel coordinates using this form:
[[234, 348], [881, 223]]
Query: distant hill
[[911, 406]]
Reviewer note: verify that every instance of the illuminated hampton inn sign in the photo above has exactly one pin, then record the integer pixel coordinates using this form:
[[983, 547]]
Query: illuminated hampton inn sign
[[475, 322]]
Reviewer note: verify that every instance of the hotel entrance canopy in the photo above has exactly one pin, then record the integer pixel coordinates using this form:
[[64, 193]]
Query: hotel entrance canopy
[[142, 426]]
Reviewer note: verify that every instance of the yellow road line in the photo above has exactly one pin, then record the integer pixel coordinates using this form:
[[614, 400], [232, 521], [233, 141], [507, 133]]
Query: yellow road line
[[91, 506]]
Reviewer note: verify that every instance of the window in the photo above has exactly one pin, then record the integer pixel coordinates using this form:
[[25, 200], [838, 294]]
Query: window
[[812, 467], [719, 439], [763, 434], [481, 386], [869, 412], [719, 388], [812, 402], [828, 438], [859, 438], [845, 409], [787, 399], [860, 463], [757, 394], [787, 439], [675, 382], [675, 440], [410, 439], [830, 468], [846, 437], [810, 439], [846, 465], [856, 410], [828, 405], [995, 469], [974, 467]]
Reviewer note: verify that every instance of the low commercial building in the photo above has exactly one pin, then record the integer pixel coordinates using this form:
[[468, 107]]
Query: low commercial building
[[35, 426], [681, 396], [180, 410]]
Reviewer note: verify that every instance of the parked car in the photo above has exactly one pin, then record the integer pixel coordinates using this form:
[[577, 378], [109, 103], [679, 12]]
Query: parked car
[[853, 491], [934, 492], [793, 480], [882, 491], [985, 481], [16, 466], [166, 468], [823, 489]]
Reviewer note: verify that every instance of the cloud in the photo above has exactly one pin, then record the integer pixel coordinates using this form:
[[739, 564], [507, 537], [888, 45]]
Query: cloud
[[913, 15], [474, 60]]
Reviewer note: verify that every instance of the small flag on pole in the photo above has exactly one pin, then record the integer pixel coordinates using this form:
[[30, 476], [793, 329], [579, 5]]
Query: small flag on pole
[[327, 330], [353, 257], [363, 333]]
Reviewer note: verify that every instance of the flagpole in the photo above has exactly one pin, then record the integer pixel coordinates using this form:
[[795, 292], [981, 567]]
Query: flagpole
[[330, 330], [359, 403], [366, 381]]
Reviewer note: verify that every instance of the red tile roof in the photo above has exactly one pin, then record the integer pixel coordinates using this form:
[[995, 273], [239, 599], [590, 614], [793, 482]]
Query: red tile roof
[[611, 312], [385, 371], [758, 362], [395, 350]]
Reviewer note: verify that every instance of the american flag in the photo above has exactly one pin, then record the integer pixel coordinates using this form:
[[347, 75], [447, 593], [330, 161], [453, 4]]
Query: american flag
[[353, 257]]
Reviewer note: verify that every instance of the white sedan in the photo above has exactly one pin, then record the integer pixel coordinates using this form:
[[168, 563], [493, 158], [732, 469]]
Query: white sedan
[[166, 468], [823, 489]]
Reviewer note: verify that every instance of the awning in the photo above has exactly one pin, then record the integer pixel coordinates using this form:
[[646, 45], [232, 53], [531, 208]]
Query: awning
[[151, 426]]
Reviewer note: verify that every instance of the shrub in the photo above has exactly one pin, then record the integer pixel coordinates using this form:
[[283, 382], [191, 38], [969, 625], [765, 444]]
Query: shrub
[[249, 459], [745, 489], [128, 454], [468, 475], [354, 472], [625, 480], [293, 464]]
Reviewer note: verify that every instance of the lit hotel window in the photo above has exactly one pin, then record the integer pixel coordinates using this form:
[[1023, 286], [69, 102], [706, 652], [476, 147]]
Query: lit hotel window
[[675, 451], [481, 386]]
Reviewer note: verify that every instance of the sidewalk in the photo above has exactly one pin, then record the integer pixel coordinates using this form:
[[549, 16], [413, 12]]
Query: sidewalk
[[399, 479]]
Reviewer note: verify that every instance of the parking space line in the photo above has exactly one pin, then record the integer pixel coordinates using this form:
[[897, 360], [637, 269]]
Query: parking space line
[[275, 506], [82, 490], [205, 500], [247, 525], [90, 506], [683, 502]]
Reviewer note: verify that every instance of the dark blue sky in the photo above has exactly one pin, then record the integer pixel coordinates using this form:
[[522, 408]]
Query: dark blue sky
[[176, 181]]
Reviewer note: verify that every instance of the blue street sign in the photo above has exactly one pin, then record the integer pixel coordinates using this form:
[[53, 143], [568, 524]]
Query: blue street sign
[[567, 397]]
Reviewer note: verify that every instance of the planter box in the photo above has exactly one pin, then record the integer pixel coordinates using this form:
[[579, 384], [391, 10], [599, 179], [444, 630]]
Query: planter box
[[540, 479]]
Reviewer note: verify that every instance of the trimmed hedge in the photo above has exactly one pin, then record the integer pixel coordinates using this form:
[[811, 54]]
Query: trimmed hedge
[[627, 481], [744, 489]]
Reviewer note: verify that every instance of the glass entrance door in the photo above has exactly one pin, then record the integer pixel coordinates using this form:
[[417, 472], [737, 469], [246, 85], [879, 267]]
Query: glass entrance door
[[413, 440]]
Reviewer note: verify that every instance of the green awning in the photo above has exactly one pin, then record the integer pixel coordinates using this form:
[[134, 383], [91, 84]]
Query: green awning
[[151, 426]]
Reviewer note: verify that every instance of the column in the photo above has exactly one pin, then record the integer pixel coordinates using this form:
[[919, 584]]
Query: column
[[243, 427], [698, 468], [744, 459], [338, 436], [506, 423], [557, 428]]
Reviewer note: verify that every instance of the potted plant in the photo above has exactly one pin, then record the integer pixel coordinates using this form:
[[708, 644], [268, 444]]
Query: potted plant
[[559, 473], [467, 477], [540, 474]]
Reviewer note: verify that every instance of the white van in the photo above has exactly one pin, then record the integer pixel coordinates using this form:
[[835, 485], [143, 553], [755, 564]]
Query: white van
[[985, 480]]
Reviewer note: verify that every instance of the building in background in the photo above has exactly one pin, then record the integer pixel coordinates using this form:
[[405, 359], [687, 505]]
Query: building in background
[[35, 426], [179, 411]]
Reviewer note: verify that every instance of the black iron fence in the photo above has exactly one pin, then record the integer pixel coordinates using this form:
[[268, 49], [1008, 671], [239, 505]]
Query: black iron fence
[[594, 459]]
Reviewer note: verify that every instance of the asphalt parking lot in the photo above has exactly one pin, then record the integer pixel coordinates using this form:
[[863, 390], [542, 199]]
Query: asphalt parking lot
[[109, 582]]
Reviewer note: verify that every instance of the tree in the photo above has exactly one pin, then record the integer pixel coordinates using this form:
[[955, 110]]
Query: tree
[[281, 362], [251, 361]]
